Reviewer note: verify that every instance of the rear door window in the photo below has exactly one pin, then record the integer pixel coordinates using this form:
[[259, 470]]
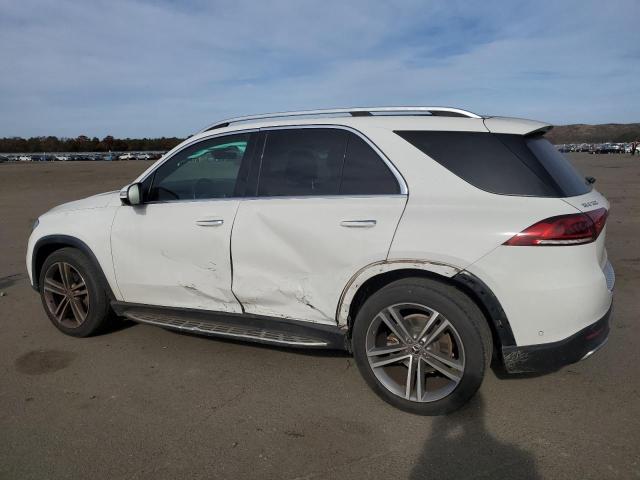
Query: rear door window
[[501, 163], [302, 162], [539, 153], [321, 161]]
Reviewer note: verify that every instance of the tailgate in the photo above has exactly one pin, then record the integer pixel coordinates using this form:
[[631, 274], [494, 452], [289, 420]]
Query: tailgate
[[589, 201]]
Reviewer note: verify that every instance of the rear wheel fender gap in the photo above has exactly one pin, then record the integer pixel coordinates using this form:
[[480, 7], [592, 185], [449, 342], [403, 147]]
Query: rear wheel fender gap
[[469, 284], [384, 267], [46, 245]]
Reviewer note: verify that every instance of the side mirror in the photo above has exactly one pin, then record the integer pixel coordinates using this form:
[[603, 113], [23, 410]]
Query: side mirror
[[131, 194]]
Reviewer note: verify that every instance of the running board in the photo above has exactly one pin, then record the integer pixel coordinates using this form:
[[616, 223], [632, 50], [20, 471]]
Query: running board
[[251, 328]]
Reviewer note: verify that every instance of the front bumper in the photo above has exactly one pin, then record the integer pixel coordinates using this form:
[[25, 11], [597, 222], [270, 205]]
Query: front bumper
[[549, 357]]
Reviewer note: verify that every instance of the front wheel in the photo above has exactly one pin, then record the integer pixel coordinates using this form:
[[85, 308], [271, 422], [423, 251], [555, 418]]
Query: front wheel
[[72, 293], [423, 346]]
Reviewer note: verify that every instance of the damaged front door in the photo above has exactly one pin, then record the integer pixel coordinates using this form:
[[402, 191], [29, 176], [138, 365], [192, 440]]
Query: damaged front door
[[173, 249]]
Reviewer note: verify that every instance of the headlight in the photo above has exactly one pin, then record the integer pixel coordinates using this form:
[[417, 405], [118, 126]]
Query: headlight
[[35, 224]]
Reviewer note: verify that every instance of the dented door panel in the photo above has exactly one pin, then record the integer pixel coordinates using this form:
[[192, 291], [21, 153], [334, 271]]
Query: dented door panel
[[176, 254], [292, 257]]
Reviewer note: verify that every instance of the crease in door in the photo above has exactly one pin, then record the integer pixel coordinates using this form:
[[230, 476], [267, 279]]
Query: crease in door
[[233, 223]]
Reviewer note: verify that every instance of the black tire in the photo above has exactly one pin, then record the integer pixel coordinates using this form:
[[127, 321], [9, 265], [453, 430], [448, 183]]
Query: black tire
[[98, 312], [458, 309]]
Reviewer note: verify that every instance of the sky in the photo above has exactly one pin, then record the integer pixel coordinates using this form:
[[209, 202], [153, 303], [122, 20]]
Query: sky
[[169, 68]]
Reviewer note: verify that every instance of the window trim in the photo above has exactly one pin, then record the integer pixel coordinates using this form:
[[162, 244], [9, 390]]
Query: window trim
[[404, 189], [257, 157], [151, 173]]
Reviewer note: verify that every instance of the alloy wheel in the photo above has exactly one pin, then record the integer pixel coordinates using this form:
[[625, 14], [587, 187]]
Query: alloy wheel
[[415, 352], [66, 294]]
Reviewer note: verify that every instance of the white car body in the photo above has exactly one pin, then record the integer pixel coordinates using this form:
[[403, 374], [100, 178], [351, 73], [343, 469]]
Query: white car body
[[305, 258], [127, 156], [143, 156], [61, 158], [24, 158]]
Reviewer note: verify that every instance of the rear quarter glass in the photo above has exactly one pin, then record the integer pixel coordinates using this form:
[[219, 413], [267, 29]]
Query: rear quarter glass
[[549, 163], [504, 164]]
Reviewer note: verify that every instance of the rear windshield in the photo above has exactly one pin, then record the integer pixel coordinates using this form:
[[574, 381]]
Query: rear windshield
[[502, 163]]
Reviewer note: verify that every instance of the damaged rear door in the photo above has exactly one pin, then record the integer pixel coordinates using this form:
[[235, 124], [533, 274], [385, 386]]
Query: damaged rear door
[[173, 249], [326, 204]]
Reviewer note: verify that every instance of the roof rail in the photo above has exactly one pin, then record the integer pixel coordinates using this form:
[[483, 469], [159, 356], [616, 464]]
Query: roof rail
[[354, 112]]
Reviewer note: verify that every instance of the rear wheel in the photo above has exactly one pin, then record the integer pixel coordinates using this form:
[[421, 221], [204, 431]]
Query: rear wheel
[[72, 293], [422, 346]]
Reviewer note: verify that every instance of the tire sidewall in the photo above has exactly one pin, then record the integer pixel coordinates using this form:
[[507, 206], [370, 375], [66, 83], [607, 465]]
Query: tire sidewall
[[98, 302], [458, 314]]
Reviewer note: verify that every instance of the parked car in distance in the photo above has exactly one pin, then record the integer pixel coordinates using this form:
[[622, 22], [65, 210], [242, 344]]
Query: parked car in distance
[[126, 156], [424, 240], [143, 156], [608, 148], [61, 158], [24, 158], [629, 148]]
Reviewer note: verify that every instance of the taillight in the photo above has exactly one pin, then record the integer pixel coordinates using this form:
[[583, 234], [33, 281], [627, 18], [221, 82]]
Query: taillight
[[572, 229]]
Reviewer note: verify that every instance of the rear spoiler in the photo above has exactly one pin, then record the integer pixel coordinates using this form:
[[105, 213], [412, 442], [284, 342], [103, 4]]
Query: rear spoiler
[[517, 126]]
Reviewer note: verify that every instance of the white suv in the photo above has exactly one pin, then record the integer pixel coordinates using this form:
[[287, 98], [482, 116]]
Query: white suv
[[426, 241]]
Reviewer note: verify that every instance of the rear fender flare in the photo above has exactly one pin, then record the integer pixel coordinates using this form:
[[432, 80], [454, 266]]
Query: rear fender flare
[[459, 277], [377, 268]]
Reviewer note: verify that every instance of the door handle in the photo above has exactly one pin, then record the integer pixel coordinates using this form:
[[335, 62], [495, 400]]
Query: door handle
[[209, 222], [358, 223]]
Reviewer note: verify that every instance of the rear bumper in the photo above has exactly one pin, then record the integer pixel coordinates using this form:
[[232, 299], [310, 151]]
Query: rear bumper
[[549, 357]]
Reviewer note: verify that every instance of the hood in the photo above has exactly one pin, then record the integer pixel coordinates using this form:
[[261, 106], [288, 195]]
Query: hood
[[95, 201]]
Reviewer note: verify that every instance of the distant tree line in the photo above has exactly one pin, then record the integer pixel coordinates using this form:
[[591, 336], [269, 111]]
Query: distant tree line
[[85, 144], [608, 132]]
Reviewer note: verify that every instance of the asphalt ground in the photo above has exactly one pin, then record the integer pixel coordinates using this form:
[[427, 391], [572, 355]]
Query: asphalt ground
[[143, 402]]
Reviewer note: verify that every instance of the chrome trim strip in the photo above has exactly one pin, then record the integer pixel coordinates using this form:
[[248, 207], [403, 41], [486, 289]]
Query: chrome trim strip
[[283, 197], [404, 189], [333, 111]]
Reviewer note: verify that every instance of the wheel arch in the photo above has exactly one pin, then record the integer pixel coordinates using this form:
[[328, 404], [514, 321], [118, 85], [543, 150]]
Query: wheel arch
[[372, 278], [49, 244]]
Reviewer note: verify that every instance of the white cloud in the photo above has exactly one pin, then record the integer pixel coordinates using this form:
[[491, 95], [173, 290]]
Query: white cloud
[[133, 68]]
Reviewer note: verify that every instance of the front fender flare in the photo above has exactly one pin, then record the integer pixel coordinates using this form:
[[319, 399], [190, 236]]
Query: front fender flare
[[65, 241]]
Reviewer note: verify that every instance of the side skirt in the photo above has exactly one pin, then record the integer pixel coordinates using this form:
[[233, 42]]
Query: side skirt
[[251, 328]]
